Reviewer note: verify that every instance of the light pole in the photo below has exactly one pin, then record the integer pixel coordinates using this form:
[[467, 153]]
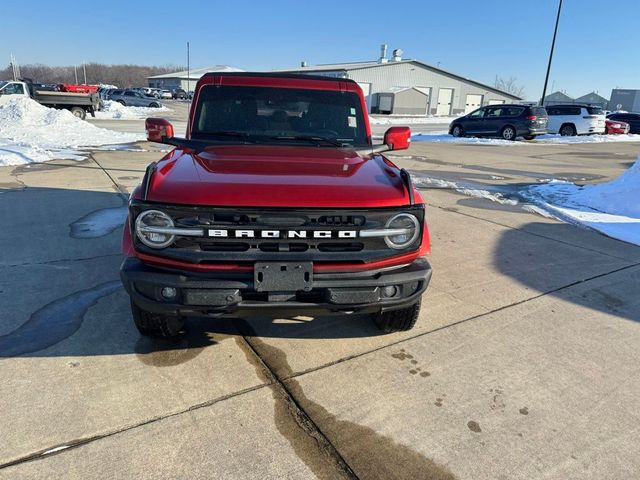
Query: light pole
[[553, 43]]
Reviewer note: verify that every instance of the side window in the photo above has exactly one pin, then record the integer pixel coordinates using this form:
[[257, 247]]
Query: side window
[[511, 111], [478, 113], [13, 89], [130, 94], [493, 112]]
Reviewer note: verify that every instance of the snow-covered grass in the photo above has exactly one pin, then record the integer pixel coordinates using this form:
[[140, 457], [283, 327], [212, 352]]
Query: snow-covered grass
[[116, 111], [612, 208], [444, 137], [30, 132], [408, 120]]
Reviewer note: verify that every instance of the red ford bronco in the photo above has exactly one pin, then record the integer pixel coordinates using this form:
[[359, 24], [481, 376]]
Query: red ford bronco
[[277, 199]]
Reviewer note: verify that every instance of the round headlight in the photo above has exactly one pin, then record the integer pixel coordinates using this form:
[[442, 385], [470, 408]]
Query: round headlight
[[149, 229], [403, 221]]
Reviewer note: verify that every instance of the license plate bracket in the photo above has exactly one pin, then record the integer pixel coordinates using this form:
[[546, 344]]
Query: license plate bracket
[[283, 276]]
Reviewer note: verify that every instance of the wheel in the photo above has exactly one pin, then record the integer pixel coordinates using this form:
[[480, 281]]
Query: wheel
[[529, 137], [398, 320], [154, 105], [457, 131], [155, 324], [508, 133], [568, 130], [121, 102], [79, 112]]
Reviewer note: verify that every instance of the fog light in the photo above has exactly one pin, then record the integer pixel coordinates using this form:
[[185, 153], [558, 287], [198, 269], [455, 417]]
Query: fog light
[[389, 291], [168, 293]]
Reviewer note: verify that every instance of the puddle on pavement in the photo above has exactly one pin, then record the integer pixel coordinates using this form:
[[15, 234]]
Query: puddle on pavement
[[98, 223], [369, 454], [54, 322]]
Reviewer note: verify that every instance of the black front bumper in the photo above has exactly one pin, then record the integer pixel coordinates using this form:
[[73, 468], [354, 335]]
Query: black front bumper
[[214, 294]]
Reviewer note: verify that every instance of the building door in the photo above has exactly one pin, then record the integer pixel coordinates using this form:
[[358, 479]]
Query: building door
[[445, 95], [473, 102], [496, 102]]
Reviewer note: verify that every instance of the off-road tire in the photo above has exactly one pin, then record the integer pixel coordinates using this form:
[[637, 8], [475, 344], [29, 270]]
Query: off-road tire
[[152, 324], [79, 112], [508, 133], [457, 131], [398, 320], [154, 105]]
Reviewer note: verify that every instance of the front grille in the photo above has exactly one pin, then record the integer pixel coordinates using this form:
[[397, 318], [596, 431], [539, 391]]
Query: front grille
[[208, 249]]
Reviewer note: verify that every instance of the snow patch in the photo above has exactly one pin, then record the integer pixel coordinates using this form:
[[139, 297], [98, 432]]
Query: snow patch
[[408, 120], [30, 132], [444, 137], [116, 111], [612, 208]]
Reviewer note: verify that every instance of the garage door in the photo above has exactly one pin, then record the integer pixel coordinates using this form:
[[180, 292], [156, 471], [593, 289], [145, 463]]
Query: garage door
[[473, 102], [444, 101]]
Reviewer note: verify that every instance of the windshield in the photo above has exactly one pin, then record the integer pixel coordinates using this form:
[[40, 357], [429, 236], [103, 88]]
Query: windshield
[[2, 84], [280, 115]]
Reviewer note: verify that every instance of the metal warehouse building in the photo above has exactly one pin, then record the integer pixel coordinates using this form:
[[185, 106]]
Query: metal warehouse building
[[397, 86], [625, 99], [186, 79]]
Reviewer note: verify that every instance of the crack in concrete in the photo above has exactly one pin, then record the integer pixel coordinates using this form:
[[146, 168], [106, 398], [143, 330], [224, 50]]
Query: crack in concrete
[[362, 452], [64, 447], [469, 319], [62, 260]]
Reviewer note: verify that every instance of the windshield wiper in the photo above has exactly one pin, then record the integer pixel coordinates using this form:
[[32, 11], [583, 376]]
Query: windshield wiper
[[310, 138], [227, 133]]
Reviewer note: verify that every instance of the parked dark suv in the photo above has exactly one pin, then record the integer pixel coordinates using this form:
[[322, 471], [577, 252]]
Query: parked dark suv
[[502, 121], [178, 93]]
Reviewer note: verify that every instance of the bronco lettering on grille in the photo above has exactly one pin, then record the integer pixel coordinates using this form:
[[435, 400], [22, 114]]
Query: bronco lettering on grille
[[223, 233]]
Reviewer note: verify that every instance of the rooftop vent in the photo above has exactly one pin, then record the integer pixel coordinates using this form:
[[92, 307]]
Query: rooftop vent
[[397, 55], [383, 54], [303, 64]]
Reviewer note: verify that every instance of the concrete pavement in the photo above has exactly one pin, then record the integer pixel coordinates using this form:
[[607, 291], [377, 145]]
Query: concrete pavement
[[524, 363]]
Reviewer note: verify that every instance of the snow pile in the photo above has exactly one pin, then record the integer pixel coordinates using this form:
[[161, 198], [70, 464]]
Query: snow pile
[[444, 137], [612, 208], [408, 120], [30, 132], [116, 111], [472, 191]]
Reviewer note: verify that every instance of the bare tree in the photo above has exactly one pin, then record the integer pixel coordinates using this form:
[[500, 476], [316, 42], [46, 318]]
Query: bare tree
[[509, 85], [121, 75]]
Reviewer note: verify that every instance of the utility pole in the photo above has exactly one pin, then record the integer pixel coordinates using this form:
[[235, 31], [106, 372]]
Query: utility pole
[[75, 70], [188, 73], [84, 69], [553, 43]]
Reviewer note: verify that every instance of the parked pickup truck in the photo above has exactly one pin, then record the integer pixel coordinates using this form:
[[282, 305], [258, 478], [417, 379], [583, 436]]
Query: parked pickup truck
[[78, 103], [275, 200]]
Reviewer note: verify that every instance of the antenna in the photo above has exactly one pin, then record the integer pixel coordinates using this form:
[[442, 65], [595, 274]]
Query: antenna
[[188, 73]]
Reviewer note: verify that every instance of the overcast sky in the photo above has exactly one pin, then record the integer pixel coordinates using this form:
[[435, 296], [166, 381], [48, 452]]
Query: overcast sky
[[595, 50]]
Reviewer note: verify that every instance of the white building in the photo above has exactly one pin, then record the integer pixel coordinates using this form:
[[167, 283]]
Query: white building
[[186, 79], [411, 86]]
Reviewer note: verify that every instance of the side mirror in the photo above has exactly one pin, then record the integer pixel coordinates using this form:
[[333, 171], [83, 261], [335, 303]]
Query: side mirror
[[398, 138], [157, 129]]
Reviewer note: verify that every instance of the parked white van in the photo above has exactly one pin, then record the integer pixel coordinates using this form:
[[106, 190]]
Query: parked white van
[[575, 119]]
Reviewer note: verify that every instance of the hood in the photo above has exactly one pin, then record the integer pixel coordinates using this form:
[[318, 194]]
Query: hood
[[276, 176]]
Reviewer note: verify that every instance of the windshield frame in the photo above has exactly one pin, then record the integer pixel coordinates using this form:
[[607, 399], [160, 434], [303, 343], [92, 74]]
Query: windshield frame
[[354, 106]]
